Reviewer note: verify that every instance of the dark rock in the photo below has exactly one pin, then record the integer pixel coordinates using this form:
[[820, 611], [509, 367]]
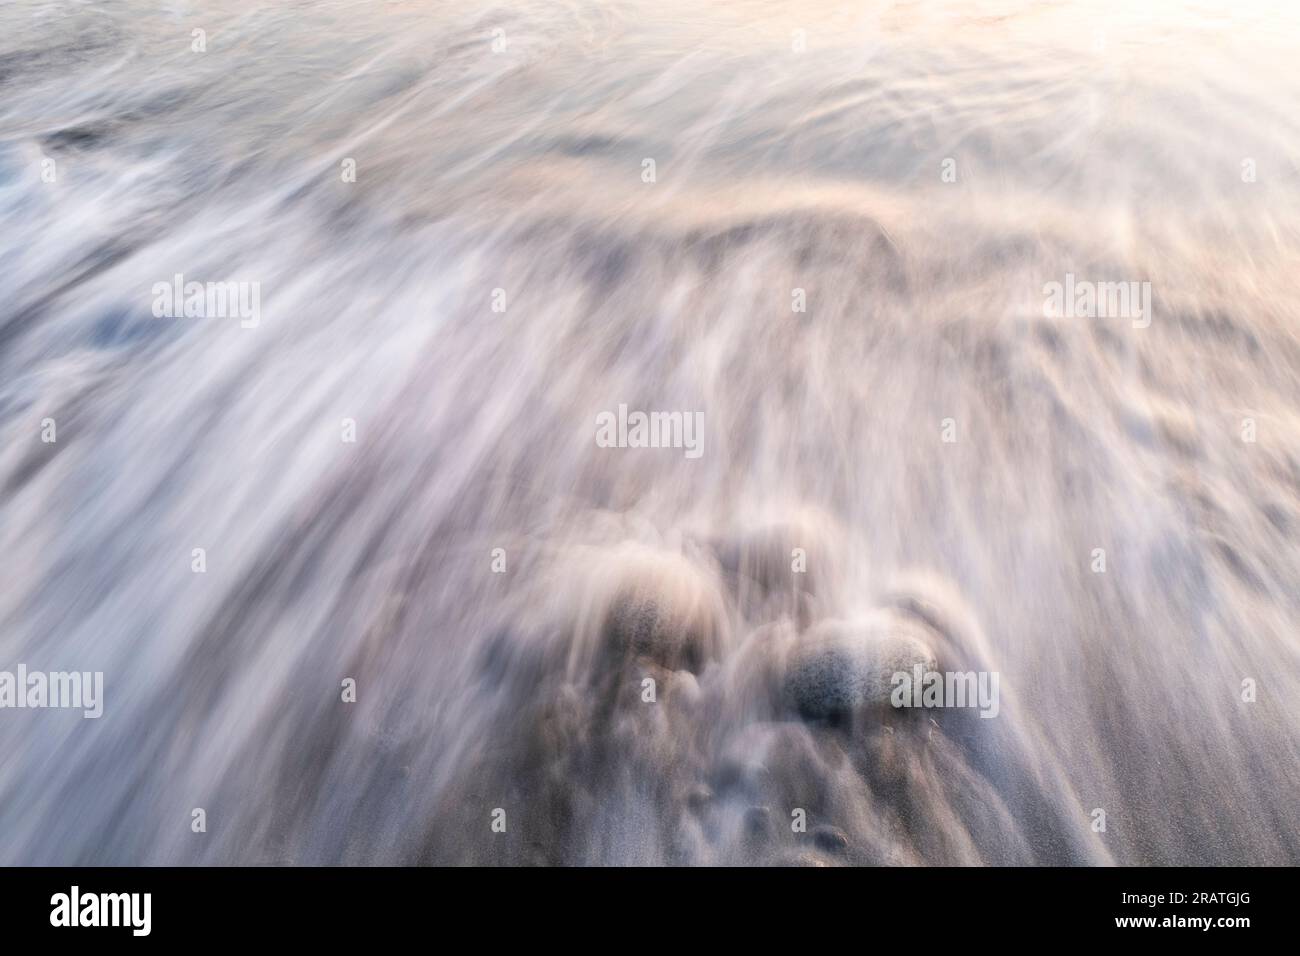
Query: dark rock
[[842, 666], [830, 839]]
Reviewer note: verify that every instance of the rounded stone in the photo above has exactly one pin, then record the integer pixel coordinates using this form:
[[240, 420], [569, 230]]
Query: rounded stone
[[841, 666], [663, 607]]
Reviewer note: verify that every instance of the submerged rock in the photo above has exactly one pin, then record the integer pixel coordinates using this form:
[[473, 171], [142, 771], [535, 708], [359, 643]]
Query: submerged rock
[[951, 626], [758, 821], [841, 666], [663, 607], [830, 839], [789, 561], [699, 798]]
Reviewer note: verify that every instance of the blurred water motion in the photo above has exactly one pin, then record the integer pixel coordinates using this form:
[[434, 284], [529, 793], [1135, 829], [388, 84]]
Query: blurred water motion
[[501, 273]]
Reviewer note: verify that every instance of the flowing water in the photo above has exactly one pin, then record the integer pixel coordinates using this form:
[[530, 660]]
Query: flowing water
[[837, 262]]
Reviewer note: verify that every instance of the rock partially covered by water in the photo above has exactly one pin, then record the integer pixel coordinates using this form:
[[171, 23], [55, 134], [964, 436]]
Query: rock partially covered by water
[[829, 839], [938, 606], [789, 561], [662, 606], [841, 666]]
